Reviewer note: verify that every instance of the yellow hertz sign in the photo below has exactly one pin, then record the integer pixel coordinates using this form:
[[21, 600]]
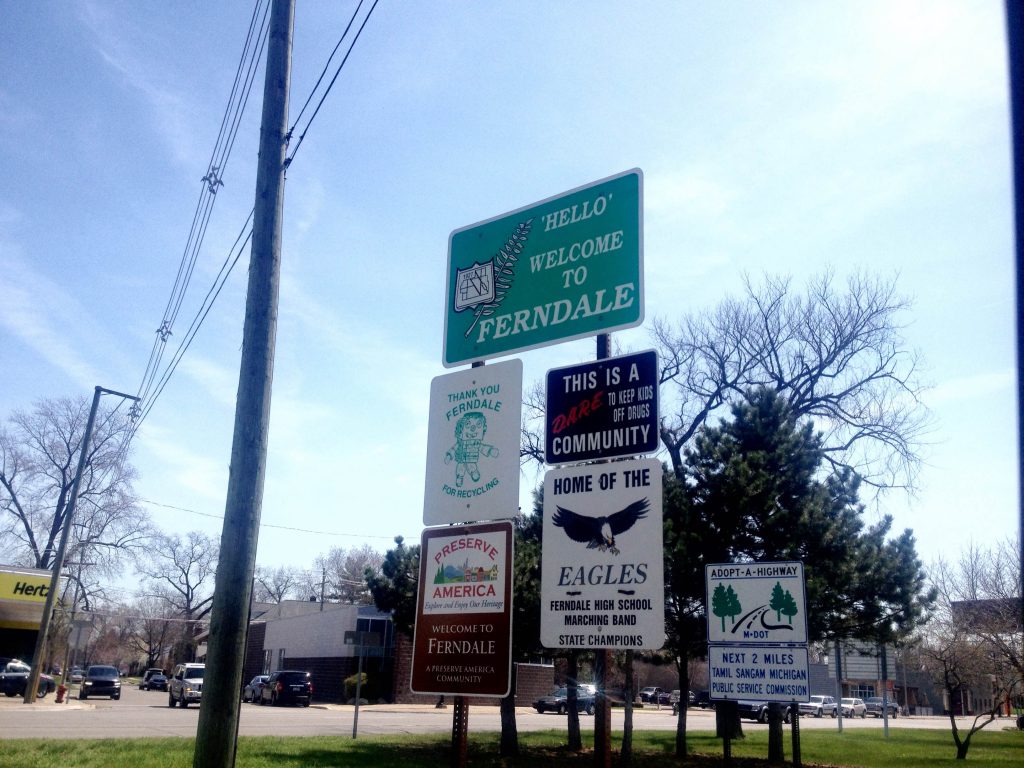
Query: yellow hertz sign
[[24, 587]]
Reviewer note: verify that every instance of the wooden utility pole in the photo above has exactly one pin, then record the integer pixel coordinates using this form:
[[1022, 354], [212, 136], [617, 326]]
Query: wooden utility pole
[[219, 712]]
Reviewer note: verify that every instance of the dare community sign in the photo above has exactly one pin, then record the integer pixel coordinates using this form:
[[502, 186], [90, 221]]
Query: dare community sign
[[564, 268], [603, 409], [473, 444], [602, 575], [462, 644]]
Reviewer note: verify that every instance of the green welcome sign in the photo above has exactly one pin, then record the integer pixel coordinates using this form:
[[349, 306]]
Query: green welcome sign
[[564, 268]]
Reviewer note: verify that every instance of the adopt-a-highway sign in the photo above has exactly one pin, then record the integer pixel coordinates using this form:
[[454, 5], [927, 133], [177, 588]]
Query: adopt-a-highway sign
[[602, 573], [759, 672], [567, 267], [756, 603], [473, 433]]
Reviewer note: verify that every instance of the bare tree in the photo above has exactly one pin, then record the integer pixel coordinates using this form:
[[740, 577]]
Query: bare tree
[[341, 574], [152, 630], [276, 585], [835, 354], [974, 645], [964, 668], [39, 452], [180, 573]]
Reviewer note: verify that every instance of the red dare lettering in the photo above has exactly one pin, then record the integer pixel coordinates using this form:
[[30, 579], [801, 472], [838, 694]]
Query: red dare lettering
[[577, 412]]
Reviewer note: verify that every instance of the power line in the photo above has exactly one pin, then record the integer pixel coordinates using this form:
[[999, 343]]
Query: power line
[[211, 296], [154, 382], [117, 615], [213, 179], [330, 85], [270, 525], [327, 64]]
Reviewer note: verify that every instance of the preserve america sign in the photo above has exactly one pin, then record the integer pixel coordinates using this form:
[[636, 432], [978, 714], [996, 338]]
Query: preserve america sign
[[462, 644]]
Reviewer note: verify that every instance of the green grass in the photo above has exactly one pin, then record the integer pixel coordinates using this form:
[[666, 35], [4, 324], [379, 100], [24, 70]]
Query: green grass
[[652, 749]]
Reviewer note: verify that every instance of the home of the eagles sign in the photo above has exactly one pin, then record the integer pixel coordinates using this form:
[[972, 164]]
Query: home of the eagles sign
[[564, 268], [602, 577]]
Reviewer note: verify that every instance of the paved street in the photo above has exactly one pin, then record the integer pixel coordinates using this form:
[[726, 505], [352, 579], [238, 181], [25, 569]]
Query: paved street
[[140, 714]]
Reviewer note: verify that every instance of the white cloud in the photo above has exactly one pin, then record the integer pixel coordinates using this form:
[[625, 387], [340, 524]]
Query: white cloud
[[220, 382], [971, 388], [695, 193], [116, 42], [44, 316], [182, 469]]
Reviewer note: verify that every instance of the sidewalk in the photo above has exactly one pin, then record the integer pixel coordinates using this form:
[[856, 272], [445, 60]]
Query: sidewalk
[[48, 704]]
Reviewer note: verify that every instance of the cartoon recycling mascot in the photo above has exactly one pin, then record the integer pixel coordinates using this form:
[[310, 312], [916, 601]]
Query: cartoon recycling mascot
[[469, 445]]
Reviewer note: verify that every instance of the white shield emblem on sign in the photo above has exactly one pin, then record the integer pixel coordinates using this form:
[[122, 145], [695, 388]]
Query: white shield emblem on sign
[[474, 285]]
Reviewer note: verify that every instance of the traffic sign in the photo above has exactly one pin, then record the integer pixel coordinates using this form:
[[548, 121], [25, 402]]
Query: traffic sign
[[602, 572], [756, 603], [567, 267], [462, 643], [602, 409], [473, 438], [759, 672]]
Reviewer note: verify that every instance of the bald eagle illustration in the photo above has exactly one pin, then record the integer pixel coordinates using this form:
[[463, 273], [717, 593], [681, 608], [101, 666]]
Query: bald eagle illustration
[[599, 532]]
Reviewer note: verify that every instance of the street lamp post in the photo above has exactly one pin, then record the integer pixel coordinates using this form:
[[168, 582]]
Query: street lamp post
[[32, 687], [79, 592]]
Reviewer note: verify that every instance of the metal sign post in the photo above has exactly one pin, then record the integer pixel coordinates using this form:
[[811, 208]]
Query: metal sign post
[[361, 640]]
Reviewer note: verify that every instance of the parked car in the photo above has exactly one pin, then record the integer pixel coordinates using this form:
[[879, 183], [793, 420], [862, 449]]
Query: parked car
[[77, 674], [252, 691], [702, 699], [758, 711], [649, 694], [854, 708], [101, 680], [558, 701], [153, 679], [186, 685], [14, 675], [287, 686], [158, 682], [820, 706], [874, 707], [665, 698]]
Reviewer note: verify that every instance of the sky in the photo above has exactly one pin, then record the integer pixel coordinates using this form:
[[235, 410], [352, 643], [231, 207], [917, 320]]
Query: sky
[[783, 138]]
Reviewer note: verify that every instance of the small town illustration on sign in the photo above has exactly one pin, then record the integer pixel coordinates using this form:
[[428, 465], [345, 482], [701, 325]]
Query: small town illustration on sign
[[467, 576]]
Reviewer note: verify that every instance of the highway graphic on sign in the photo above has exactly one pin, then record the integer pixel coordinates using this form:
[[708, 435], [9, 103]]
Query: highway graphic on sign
[[760, 614], [766, 606]]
